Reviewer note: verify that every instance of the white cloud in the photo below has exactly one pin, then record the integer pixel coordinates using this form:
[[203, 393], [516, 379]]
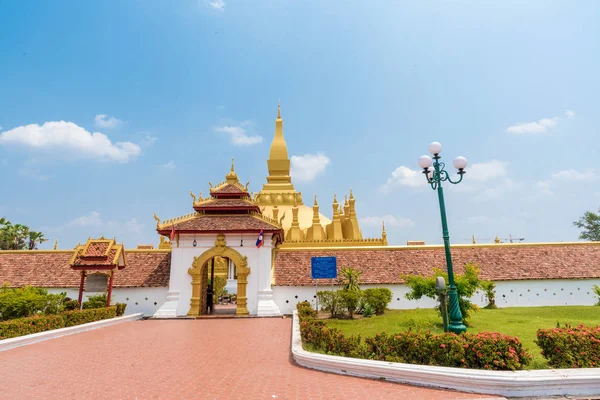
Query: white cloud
[[92, 219], [149, 140], [486, 171], [541, 126], [390, 221], [404, 176], [104, 121], [169, 165], [548, 187], [238, 134], [573, 175], [307, 167], [217, 4], [58, 137]]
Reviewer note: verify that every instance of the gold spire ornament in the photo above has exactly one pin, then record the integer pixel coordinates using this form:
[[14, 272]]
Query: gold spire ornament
[[193, 197], [55, 245]]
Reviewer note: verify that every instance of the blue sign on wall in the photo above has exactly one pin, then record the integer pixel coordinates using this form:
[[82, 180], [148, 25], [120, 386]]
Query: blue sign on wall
[[323, 267]]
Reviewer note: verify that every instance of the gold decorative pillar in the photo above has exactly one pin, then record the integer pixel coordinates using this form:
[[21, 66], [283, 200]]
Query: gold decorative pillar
[[242, 299], [196, 274]]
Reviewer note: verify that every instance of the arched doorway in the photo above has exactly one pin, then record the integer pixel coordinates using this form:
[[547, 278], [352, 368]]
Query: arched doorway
[[199, 273]]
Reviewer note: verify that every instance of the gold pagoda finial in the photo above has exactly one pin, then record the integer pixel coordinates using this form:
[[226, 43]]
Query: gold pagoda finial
[[278, 108], [316, 204], [497, 240], [232, 177], [55, 245], [351, 195], [473, 238], [383, 233]]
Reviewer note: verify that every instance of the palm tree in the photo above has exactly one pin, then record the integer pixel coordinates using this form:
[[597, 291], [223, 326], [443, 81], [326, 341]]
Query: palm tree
[[36, 238]]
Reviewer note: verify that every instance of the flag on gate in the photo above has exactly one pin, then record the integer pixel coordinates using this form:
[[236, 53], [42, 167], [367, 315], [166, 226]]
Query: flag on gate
[[172, 236], [260, 241]]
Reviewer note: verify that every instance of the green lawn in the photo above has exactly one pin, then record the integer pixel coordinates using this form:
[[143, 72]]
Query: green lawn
[[522, 322]]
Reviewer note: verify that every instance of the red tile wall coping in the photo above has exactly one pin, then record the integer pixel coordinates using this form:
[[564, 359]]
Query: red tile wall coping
[[497, 262], [150, 268]]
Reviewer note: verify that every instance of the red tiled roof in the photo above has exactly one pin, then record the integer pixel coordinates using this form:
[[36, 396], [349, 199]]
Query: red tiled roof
[[497, 262], [227, 204], [96, 249], [229, 189], [222, 223], [51, 269]]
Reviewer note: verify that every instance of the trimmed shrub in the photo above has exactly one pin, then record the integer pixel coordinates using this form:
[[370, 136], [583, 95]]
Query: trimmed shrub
[[489, 288], [570, 347], [349, 300], [466, 285], [41, 323], [120, 309], [78, 317], [484, 350], [95, 301], [329, 301], [28, 301], [378, 299], [70, 305], [29, 325]]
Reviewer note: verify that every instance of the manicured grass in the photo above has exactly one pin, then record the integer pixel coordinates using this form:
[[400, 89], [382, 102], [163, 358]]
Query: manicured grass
[[522, 322]]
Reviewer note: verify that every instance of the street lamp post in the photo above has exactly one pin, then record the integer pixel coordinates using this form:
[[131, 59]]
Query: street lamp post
[[435, 177]]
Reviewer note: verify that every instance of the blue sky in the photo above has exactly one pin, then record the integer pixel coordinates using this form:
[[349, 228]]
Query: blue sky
[[111, 111]]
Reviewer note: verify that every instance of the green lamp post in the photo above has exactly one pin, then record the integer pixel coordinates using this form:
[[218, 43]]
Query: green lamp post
[[435, 177]]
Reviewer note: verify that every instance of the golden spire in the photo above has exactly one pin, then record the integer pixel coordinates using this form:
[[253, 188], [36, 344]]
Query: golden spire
[[383, 234], [346, 206], [278, 108], [55, 245], [232, 177], [473, 238], [497, 240], [316, 217], [315, 232], [335, 204]]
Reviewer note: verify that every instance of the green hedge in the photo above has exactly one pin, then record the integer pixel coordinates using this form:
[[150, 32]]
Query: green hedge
[[570, 347], [482, 350], [41, 323], [78, 317]]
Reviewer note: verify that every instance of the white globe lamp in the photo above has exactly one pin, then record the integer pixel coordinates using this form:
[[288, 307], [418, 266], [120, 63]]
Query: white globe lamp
[[425, 162], [435, 148], [460, 163]]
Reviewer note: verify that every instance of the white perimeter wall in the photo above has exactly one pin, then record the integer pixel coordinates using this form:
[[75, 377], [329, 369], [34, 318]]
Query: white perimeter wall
[[138, 300], [508, 294]]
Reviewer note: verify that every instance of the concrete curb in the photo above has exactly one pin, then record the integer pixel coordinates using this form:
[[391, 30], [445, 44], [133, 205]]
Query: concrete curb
[[547, 382], [12, 343]]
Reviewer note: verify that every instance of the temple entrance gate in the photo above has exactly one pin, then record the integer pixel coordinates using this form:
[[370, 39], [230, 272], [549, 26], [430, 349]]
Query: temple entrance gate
[[199, 273]]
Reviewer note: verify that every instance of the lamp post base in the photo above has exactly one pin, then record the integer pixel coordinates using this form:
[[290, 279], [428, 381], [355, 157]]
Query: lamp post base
[[456, 319]]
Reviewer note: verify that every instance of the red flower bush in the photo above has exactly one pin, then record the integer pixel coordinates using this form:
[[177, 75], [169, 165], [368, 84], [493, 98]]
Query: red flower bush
[[486, 350], [40, 323], [570, 347]]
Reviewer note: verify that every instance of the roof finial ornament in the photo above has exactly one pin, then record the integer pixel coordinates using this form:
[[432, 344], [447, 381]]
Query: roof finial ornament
[[232, 165], [316, 204], [193, 197], [278, 108], [473, 238], [55, 245], [497, 240], [157, 220]]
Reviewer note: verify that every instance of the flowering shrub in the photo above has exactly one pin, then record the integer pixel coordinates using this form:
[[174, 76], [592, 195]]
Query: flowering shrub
[[570, 347], [78, 317], [29, 325], [41, 323], [484, 350]]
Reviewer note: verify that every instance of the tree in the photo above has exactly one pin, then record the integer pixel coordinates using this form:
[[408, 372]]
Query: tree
[[589, 225], [18, 237], [351, 278]]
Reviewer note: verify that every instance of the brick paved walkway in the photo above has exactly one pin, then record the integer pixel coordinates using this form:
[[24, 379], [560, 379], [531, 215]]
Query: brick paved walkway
[[196, 359]]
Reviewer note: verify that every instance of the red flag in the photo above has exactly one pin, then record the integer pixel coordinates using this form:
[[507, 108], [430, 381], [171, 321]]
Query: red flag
[[172, 232]]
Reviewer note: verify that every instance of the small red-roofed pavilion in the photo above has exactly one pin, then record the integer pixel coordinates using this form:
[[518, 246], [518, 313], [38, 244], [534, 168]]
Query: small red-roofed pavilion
[[102, 255]]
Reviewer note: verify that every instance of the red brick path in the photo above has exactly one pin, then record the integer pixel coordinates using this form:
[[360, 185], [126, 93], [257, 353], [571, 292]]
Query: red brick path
[[192, 359]]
